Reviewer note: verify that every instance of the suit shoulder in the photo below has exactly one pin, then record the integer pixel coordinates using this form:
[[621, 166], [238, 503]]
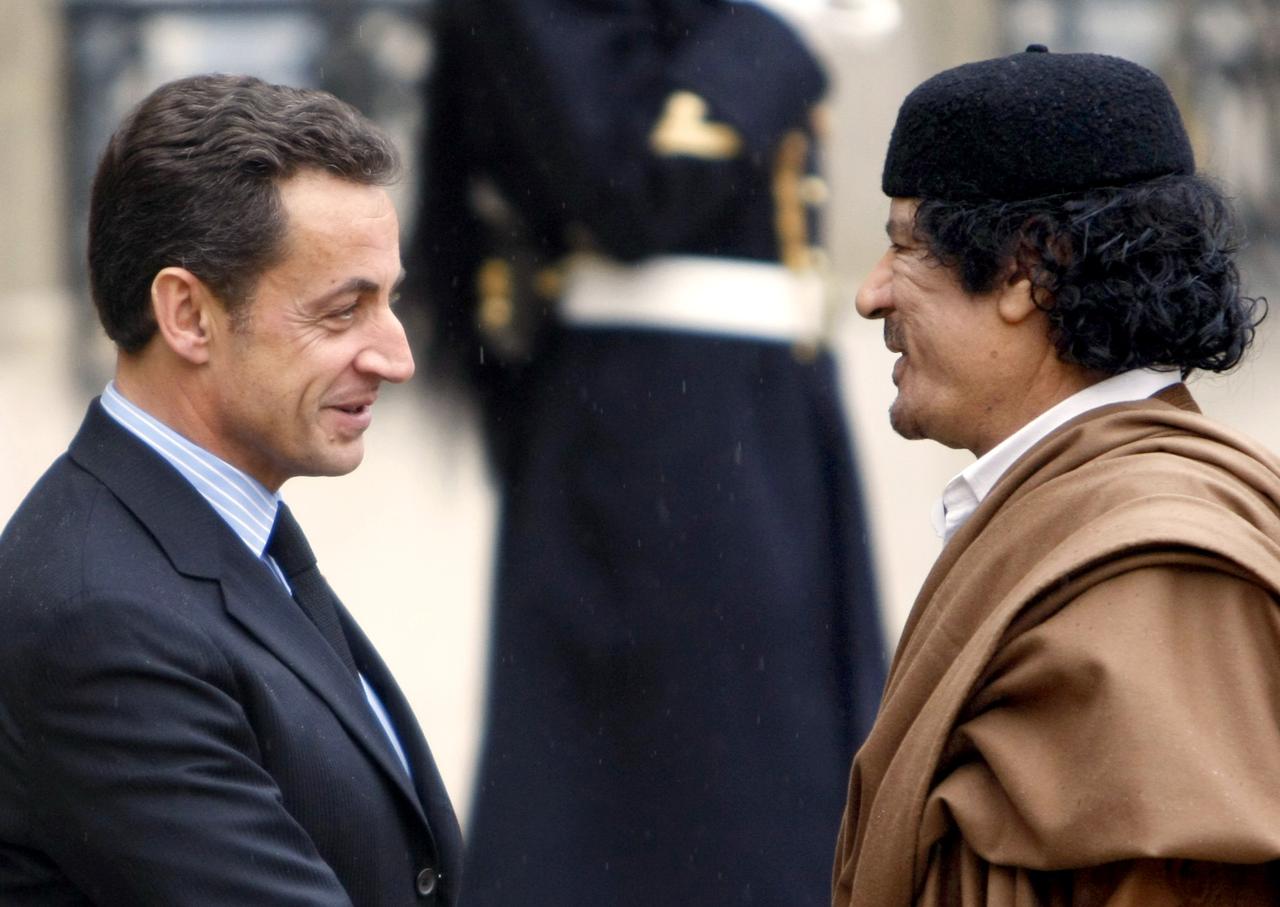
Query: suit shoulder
[[82, 580], [70, 536], [44, 540]]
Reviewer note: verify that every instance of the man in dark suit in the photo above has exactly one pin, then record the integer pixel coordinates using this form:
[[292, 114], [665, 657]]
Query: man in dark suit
[[187, 713]]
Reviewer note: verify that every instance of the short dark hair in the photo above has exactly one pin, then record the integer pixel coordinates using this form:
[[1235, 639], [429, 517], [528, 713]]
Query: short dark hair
[[190, 179], [1138, 276]]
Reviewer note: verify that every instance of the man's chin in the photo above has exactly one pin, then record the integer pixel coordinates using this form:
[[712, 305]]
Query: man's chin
[[342, 458], [902, 422]]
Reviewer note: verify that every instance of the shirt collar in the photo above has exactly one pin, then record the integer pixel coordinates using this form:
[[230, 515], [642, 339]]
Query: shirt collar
[[962, 495], [243, 502]]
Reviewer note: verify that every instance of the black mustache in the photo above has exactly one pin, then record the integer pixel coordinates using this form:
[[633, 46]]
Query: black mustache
[[892, 335]]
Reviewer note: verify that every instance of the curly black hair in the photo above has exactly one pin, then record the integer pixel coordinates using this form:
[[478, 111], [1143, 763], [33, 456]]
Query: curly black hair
[[1139, 276]]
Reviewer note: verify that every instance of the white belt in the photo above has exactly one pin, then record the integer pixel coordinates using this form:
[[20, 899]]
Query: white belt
[[692, 293]]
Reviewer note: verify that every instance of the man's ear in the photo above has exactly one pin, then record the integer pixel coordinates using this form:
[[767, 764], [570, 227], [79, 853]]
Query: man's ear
[[1017, 298], [183, 308]]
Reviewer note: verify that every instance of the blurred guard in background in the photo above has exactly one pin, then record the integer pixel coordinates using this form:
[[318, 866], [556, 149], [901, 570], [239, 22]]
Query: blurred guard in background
[[686, 650]]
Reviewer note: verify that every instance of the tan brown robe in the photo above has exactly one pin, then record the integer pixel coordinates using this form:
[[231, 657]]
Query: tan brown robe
[[1085, 704]]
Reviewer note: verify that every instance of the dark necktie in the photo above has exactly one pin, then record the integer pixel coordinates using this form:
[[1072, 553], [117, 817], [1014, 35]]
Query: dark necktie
[[288, 546]]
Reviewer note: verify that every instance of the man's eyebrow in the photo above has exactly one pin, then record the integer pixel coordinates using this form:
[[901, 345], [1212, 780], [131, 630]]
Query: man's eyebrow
[[356, 285]]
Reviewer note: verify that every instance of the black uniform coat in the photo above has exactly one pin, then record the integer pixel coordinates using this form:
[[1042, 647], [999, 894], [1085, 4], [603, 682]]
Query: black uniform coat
[[174, 730], [686, 651]]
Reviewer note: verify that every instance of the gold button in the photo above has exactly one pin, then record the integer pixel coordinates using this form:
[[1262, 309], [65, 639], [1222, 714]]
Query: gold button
[[548, 283], [814, 191], [496, 312]]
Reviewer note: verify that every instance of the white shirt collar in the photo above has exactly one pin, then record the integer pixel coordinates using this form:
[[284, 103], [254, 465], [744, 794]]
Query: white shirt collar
[[962, 495]]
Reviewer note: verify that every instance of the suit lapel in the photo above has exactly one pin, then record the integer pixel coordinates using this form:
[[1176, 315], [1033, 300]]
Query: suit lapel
[[431, 791], [187, 529], [200, 544], [260, 604]]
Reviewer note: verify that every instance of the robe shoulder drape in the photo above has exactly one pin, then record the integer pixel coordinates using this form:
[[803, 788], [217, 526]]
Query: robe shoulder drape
[[1083, 707]]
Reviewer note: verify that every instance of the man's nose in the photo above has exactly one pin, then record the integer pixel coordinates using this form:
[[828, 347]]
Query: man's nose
[[873, 298], [387, 355]]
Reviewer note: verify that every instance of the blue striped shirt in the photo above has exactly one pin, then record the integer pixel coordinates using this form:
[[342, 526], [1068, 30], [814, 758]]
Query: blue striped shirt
[[241, 500]]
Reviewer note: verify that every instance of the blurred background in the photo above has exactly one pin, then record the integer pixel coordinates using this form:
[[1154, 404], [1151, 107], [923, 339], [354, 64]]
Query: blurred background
[[405, 540]]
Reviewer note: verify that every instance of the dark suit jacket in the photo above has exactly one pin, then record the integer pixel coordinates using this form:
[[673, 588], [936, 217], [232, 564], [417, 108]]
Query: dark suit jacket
[[173, 729]]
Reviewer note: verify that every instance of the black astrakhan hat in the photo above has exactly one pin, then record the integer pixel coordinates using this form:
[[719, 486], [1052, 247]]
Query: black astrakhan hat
[[1034, 124]]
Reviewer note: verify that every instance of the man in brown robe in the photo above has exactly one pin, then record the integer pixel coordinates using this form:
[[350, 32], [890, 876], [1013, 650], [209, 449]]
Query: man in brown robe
[[1084, 708]]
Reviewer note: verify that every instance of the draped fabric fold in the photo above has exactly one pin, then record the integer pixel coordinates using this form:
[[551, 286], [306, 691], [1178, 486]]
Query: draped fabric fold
[[1089, 678]]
